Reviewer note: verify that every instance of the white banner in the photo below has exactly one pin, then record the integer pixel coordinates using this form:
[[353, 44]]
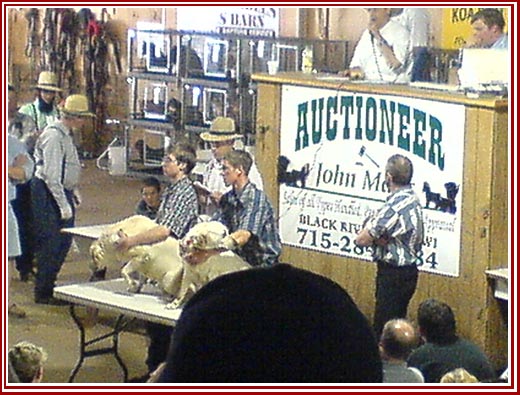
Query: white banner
[[250, 21], [333, 150]]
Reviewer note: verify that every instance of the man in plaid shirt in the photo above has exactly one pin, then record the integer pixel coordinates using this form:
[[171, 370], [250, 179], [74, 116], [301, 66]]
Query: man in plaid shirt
[[177, 214], [248, 214]]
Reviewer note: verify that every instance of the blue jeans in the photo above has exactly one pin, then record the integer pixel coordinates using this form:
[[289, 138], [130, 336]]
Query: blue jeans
[[50, 245]]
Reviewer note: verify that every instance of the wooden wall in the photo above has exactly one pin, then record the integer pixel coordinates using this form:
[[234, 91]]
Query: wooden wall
[[484, 229]]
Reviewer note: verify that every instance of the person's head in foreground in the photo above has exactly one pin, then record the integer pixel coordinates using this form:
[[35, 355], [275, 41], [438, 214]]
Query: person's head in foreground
[[272, 324], [26, 363], [459, 375]]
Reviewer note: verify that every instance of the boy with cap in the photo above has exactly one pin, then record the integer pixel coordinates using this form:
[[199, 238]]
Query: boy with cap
[[221, 137], [54, 194]]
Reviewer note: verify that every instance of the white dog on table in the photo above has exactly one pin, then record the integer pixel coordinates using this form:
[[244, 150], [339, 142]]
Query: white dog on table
[[179, 269]]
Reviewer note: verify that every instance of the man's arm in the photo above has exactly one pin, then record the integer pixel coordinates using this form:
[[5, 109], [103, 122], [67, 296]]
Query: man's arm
[[151, 236]]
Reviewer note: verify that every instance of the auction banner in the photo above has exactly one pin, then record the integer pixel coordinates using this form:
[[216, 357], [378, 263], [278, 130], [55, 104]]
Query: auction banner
[[249, 21], [334, 146]]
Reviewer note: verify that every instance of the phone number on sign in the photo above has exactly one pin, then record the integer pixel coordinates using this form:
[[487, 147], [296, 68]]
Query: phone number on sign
[[325, 240]]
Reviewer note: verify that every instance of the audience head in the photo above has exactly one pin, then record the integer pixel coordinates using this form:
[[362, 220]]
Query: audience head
[[398, 339], [400, 169], [459, 375], [151, 191], [436, 322], [272, 324], [26, 363], [488, 25]]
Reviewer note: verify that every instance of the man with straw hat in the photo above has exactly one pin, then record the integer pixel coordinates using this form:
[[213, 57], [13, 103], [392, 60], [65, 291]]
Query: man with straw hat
[[44, 110], [221, 137], [54, 193]]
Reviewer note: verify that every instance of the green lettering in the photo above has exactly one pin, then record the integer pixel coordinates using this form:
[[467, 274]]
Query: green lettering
[[317, 107], [302, 133], [359, 106], [370, 119], [332, 108], [403, 139], [387, 122], [346, 108], [419, 147], [435, 155]]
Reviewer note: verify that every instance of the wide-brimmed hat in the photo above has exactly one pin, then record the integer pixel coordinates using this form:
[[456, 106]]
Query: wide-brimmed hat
[[48, 81], [222, 129], [77, 105]]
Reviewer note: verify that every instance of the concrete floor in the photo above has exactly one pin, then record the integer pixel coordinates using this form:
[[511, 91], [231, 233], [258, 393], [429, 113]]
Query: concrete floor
[[105, 199]]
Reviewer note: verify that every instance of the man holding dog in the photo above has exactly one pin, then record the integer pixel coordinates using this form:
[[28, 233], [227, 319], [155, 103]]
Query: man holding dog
[[247, 213], [177, 213]]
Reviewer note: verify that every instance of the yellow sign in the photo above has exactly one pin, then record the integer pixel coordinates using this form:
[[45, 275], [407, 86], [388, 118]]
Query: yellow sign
[[456, 26]]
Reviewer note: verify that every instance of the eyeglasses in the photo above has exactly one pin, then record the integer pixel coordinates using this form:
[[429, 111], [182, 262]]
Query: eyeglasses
[[167, 160]]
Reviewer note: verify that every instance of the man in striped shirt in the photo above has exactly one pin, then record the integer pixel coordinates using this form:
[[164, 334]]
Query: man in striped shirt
[[247, 213], [395, 234]]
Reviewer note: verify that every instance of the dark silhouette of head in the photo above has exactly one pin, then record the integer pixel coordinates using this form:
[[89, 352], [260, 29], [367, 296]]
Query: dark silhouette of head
[[272, 324]]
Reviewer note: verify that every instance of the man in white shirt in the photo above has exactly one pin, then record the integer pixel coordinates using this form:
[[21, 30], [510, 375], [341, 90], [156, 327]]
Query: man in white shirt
[[221, 137], [418, 23], [383, 52]]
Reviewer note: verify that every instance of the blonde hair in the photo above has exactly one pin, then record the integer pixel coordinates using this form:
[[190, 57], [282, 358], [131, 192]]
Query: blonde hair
[[25, 360], [459, 375]]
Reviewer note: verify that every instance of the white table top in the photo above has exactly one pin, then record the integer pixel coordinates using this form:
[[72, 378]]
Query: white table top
[[89, 232], [112, 295], [501, 273]]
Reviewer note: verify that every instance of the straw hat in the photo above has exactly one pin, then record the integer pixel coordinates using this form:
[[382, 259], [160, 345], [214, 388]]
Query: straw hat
[[77, 105], [48, 81], [222, 129]]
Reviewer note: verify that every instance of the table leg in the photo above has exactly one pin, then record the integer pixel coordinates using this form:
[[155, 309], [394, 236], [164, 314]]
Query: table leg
[[84, 344]]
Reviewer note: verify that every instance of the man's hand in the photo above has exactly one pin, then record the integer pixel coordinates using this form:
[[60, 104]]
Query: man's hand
[[20, 160], [77, 197], [354, 74], [123, 243], [373, 29], [215, 197], [196, 256]]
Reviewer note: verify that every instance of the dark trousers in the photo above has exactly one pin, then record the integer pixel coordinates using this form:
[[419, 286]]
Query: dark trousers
[[160, 337], [395, 287], [51, 245], [22, 208]]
